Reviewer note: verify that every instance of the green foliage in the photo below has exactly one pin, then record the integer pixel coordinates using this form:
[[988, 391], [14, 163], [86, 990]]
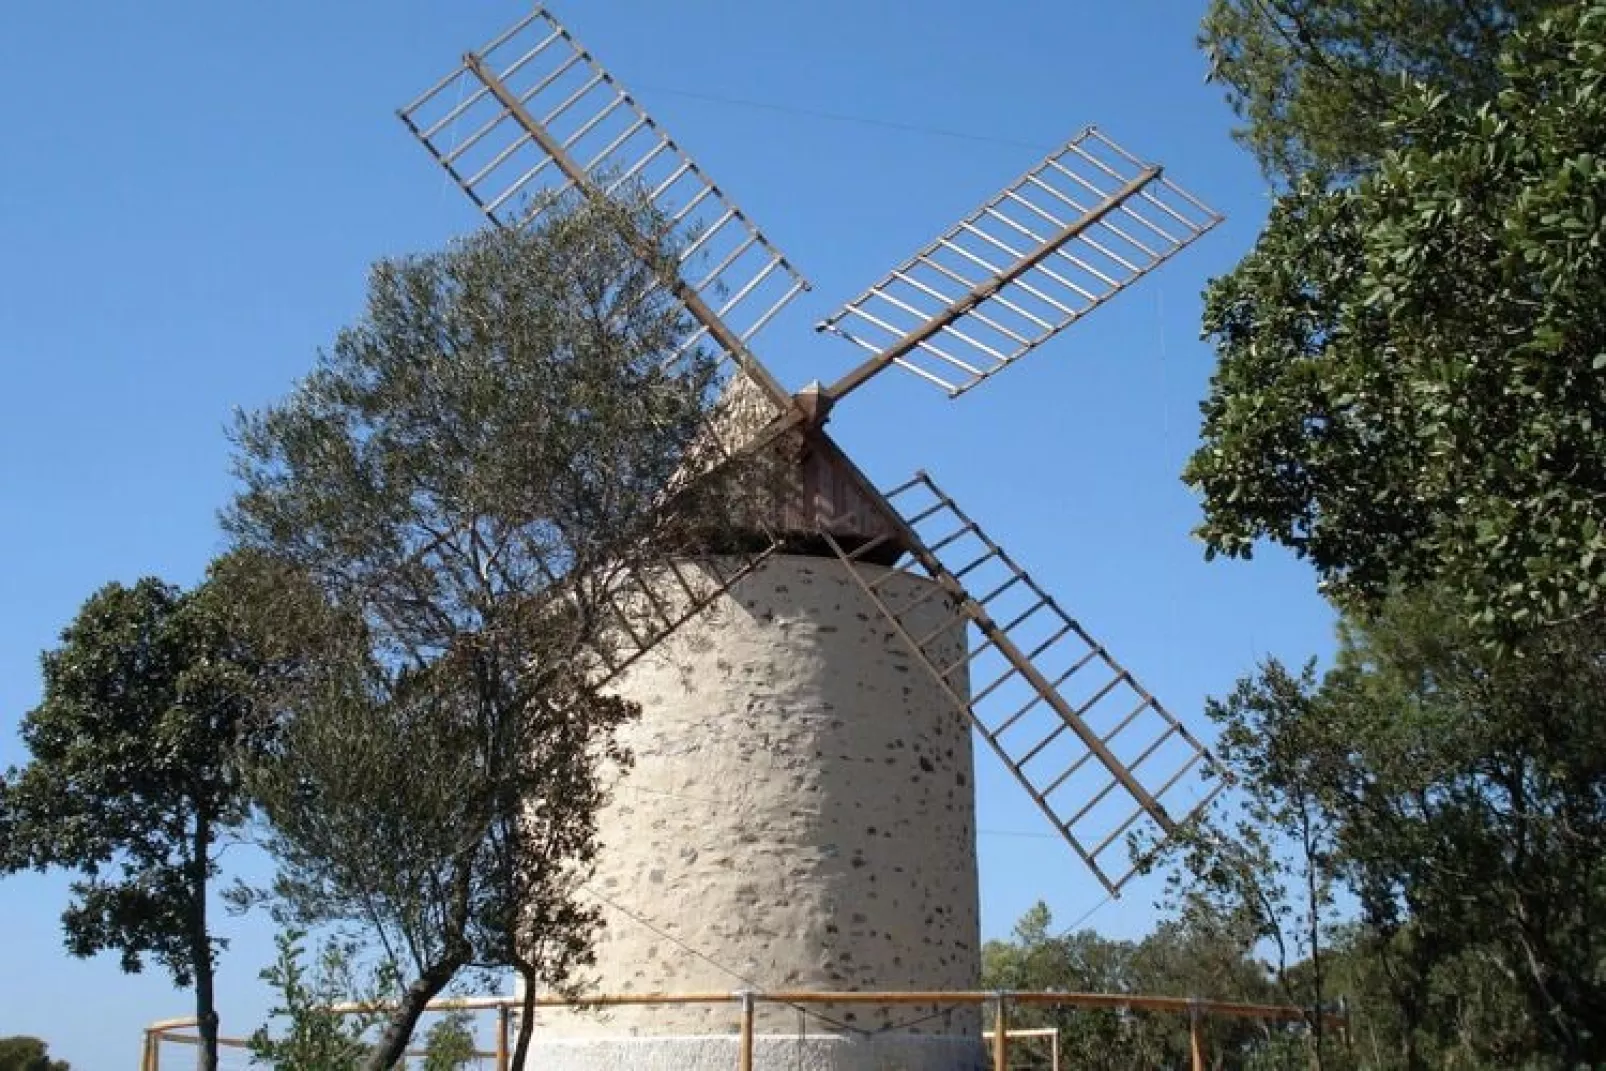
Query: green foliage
[[1264, 873], [449, 1044], [28, 1054], [134, 777], [1473, 806], [436, 522], [502, 411], [315, 1037], [1460, 795], [1411, 385], [1177, 960], [1269, 876], [1410, 395], [1315, 80]]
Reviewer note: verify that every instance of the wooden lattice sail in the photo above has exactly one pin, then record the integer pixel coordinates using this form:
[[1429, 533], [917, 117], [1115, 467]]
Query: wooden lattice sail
[[1099, 754], [1078, 228]]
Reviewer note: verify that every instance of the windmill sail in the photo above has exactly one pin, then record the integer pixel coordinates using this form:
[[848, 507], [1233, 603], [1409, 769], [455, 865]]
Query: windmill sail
[[530, 123], [1071, 233], [1100, 755], [531, 119]]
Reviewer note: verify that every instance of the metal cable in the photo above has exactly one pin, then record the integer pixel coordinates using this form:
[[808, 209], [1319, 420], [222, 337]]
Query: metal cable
[[1089, 913], [711, 961], [672, 939]]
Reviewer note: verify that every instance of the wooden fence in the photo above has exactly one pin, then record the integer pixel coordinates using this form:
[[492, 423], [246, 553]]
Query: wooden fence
[[999, 1036]]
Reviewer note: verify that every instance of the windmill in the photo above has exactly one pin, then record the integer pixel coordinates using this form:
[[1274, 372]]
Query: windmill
[[940, 619]]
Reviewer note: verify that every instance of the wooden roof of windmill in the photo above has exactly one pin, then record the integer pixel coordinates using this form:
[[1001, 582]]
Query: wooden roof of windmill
[[816, 489]]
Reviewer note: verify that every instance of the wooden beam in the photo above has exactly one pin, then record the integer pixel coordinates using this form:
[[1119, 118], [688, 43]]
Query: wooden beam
[[745, 1061], [987, 288], [1001, 1032]]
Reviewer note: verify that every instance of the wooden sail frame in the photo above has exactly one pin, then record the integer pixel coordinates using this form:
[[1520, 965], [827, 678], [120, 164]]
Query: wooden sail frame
[[1068, 720]]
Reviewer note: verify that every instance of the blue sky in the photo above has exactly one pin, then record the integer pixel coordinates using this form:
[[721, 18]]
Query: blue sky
[[192, 192]]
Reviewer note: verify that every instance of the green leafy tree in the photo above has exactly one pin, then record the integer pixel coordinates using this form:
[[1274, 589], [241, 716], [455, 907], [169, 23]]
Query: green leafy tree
[[1035, 958], [1459, 794], [449, 1043], [134, 781], [1411, 385], [446, 506], [1315, 80], [28, 1054], [1176, 960], [315, 1035], [1473, 812], [1410, 394], [1263, 871]]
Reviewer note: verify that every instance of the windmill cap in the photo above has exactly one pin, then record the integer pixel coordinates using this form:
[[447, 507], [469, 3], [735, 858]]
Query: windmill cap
[[815, 402]]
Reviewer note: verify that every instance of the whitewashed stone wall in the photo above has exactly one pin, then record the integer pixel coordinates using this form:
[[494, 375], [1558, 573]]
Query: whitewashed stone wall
[[800, 812]]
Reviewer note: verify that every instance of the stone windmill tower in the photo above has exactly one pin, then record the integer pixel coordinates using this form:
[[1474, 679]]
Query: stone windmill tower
[[801, 813]]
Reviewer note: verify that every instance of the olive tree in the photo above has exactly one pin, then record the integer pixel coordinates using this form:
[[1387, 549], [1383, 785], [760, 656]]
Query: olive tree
[[438, 515]]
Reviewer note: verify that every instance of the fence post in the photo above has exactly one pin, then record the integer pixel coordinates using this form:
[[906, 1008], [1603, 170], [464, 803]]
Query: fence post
[[501, 1037], [147, 1056], [745, 1059], [1196, 1035], [1001, 1032]]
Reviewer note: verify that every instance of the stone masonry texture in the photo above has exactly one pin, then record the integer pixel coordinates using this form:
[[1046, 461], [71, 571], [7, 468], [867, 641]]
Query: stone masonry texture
[[800, 815]]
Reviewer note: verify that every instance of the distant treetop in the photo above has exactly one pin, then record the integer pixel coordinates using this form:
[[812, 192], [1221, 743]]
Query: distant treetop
[[22, 1053]]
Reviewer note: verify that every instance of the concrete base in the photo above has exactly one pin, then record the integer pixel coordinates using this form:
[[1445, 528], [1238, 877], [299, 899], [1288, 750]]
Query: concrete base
[[889, 1052]]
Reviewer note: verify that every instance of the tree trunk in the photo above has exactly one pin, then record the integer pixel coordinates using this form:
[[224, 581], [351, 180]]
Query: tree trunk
[[392, 1045], [206, 1018], [521, 1050], [1313, 901]]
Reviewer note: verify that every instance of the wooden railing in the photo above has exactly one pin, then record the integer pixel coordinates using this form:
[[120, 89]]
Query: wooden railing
[[1000, 1036]]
